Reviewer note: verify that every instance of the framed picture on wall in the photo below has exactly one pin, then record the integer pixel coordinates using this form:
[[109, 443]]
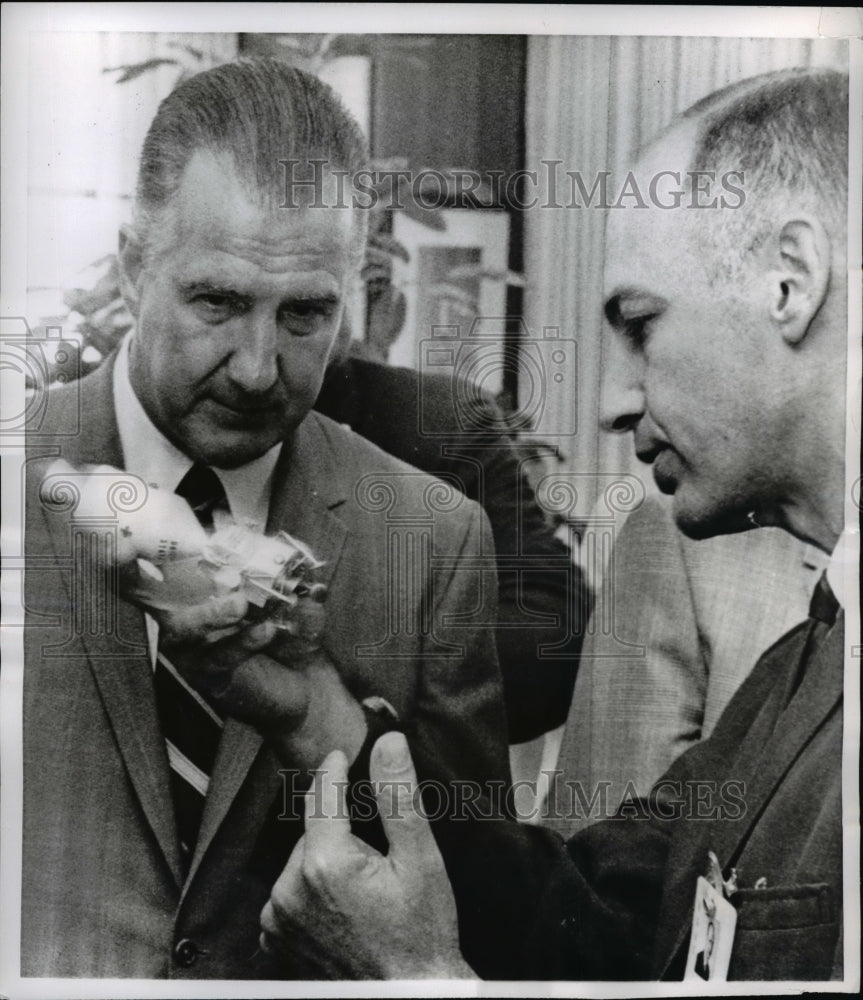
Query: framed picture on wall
[[455, 286]]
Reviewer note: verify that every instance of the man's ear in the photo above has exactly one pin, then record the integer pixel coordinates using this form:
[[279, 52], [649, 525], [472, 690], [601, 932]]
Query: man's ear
[[130, 258], [798, 286]]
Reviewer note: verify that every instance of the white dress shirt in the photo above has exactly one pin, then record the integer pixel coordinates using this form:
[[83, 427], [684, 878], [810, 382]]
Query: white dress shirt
[[844, 566]]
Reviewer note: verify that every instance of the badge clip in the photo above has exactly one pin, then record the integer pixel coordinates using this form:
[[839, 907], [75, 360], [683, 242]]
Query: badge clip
[[714, 877]]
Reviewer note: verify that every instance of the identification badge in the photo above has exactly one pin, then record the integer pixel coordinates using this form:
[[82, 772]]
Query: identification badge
[[713, 922]]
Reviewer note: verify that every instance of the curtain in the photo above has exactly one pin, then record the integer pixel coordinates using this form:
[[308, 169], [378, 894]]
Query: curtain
[[592, 103]]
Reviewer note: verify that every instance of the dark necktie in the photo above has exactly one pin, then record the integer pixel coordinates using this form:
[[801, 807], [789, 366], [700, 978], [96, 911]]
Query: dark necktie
[[823, 609], [202, 489], [191, 727]]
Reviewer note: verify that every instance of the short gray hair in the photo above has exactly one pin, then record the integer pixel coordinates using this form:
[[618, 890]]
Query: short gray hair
[[259, 112], [787, 131]]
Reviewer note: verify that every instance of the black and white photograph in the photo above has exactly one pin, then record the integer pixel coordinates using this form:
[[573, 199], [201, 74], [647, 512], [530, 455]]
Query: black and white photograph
[[431, 500]]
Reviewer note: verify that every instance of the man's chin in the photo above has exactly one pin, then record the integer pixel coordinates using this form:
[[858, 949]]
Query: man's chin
[[230, 450], [704, 523]]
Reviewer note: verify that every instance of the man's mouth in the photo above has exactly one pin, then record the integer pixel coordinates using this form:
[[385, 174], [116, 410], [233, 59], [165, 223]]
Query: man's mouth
[[666, 466], [240, 414]]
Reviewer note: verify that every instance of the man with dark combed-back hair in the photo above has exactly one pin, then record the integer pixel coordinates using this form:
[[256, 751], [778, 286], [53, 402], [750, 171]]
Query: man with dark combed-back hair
[[272, 122], [732, 381], [166, 742]]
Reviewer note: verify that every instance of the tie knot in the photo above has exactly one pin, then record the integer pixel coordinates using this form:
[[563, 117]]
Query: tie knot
[[823, 607], [202, 489]]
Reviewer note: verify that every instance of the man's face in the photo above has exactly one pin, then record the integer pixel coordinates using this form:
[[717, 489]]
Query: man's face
[[236, 317], [687, 362]]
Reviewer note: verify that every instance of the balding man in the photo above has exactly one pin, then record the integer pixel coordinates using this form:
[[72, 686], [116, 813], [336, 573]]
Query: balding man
[[726, 361]]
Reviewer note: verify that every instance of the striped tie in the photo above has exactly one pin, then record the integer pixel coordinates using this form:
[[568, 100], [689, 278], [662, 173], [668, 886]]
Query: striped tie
[[191, 727]]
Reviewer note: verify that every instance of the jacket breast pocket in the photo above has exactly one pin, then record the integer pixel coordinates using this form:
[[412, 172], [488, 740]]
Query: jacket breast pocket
[[786, 932]]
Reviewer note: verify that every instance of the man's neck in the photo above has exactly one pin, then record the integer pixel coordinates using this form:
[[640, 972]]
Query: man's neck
[[810, 501], [818, 519]]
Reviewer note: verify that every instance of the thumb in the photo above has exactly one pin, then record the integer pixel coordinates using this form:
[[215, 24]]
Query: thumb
[[398, 796], [328, 826]]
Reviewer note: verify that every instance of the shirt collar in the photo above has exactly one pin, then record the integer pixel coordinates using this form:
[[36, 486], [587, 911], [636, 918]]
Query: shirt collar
[[149, 454], [843, 566]]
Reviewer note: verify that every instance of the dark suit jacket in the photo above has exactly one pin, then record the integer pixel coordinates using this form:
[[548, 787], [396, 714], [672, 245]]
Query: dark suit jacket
[[764, 793], [448, 429], [103, 893]]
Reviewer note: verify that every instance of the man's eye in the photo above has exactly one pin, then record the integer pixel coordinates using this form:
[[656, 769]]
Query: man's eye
[[307, 317], [216, 306], [304, 310]]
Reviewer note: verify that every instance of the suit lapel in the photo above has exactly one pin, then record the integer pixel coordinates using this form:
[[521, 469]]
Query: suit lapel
[[761, 766], [238, 750], [307, 485], [126, 689], [819, 693], [98, 441], [119, 661]]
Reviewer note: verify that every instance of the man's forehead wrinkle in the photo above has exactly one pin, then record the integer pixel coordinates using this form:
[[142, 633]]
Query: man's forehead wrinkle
[[275, 253], [308, 278]]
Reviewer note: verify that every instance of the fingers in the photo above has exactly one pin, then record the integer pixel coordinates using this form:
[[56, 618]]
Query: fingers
[[305, 621], [299, 633], [328, 827], [394, 777], [256, 637], [200, 622], [279, 915], [238, 675], [272, 931]]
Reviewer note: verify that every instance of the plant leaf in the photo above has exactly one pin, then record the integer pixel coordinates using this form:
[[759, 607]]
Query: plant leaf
[[478, 271], [138, 69], [197, 53], [429, 217], [389, 245]]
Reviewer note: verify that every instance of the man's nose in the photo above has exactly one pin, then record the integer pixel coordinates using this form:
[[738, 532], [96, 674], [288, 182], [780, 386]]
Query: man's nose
[[254, 362], [622, 395]]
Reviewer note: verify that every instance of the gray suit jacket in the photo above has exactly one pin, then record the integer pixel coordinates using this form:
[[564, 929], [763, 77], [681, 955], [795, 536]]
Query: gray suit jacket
[[690, 620], [103, 893]]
